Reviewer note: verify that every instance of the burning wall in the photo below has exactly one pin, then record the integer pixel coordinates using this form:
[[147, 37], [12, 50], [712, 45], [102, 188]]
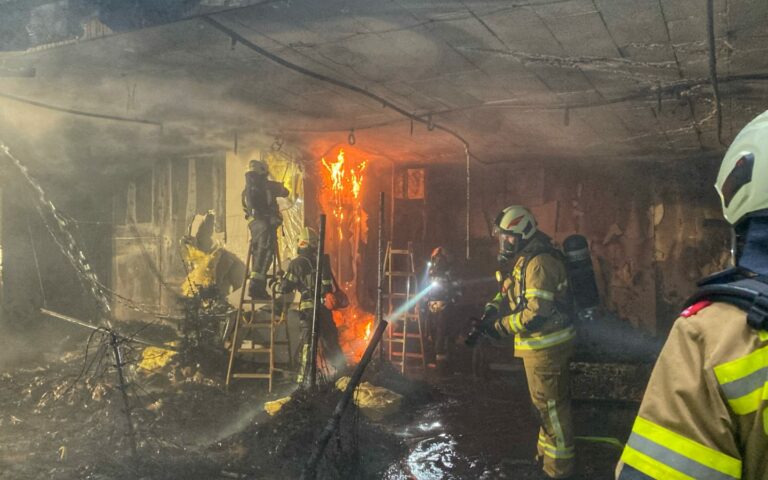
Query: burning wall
[[341, 198]]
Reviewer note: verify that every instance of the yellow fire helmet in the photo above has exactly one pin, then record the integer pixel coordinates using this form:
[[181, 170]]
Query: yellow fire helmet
[[257, 166], [307, 238], [746, 160]]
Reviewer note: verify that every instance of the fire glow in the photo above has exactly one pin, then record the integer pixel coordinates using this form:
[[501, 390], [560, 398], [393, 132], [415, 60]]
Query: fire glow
[[344, 182], [342, 195]]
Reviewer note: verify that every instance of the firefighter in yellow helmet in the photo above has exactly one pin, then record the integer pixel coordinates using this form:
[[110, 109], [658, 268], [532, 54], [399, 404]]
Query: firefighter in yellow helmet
[[300, 276], [705, 410], [533, 305]]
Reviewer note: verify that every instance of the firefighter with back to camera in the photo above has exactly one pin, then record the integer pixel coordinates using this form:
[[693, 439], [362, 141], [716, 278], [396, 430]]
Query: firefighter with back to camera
[[705, 410], [262, 213], [533, 305]]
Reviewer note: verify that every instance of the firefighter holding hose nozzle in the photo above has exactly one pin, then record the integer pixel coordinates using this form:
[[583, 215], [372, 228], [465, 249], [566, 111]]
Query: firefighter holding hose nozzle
[[533, 305], [439, 304]]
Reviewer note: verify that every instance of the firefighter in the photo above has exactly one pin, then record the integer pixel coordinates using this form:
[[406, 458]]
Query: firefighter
[[440, 302], [300, 276], [259, 200], [705, 410], [532, 305]]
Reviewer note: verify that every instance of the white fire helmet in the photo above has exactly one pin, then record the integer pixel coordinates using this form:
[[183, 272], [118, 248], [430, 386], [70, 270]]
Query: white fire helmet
[[514, 226], [742, 182]]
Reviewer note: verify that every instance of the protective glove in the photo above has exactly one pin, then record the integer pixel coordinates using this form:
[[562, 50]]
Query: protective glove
[[275, 283], [487, 323]]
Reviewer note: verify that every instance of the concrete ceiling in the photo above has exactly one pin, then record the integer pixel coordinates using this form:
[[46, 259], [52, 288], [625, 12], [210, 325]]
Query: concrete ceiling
[[602, 80]]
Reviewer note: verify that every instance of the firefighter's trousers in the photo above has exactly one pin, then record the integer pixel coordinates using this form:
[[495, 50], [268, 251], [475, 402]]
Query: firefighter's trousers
[[263, 241], [328, 342], [549, 385]]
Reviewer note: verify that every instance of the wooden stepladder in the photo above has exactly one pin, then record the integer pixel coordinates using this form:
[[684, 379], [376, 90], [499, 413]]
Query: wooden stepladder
[[405, 338], [252, 324]]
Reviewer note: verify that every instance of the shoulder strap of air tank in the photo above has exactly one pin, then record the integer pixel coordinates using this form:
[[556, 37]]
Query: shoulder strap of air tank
[[749, 294]]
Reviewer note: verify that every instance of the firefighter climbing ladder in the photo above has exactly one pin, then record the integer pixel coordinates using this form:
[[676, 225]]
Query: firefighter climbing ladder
[[400, 274], [247, 320]]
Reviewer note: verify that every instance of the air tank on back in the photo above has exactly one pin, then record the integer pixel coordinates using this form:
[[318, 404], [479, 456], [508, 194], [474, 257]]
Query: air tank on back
[[581, 275]]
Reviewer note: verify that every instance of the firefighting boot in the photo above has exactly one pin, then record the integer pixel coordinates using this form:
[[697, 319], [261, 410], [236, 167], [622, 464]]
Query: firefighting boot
[[257, 289]]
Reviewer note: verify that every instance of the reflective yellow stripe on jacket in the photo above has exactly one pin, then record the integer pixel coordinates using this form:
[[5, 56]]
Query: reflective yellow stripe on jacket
[[663, 454], [745, 381], [534, 293], [545, 341], [513, 323], [307, 305]]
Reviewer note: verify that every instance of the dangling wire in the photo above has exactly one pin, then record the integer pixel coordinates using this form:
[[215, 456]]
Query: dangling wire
[[469, 185]]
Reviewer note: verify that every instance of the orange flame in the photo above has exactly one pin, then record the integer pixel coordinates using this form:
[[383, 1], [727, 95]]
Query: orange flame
[[368, 330], [354, 327], [343, 181]]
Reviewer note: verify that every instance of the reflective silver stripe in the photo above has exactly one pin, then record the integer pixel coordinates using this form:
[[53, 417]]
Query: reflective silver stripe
[[745, 385], [675, 460]]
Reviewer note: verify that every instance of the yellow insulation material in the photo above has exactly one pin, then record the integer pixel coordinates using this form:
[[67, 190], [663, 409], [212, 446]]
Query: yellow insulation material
[[273, 407], [154, 358], [203, 268], [375, 402]]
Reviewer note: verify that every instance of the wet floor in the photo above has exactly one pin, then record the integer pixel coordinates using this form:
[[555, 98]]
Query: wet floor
[[456, 427], [486, 429]]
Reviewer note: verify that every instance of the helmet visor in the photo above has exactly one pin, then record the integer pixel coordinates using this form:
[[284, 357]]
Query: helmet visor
[[508, 242]]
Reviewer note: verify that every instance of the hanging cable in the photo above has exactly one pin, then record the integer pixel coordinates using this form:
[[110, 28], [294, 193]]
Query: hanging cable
[[324, 78], [79, 112], [713, 68], [469, 185]]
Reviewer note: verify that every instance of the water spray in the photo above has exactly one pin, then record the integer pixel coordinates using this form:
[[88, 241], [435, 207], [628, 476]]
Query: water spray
[[405, 307]]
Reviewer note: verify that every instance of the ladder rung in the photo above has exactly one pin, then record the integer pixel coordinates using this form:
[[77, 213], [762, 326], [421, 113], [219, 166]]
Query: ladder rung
[[251, 375], [410, 335], [399, 251], [254, 350], [408, 355], [396, 295], [400, 274]]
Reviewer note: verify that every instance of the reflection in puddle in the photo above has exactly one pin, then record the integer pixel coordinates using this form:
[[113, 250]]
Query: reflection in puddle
[[434, 458]]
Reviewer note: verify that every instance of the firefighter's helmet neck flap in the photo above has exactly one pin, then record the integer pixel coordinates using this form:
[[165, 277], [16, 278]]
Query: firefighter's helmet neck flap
[[742, 184], [514, 226]]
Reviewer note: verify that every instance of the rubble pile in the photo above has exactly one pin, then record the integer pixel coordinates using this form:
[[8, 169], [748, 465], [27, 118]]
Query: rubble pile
[[56, 423], [281, 447]]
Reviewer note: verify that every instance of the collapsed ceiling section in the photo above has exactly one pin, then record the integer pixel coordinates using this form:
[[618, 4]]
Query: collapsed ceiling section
[[606, 80]]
